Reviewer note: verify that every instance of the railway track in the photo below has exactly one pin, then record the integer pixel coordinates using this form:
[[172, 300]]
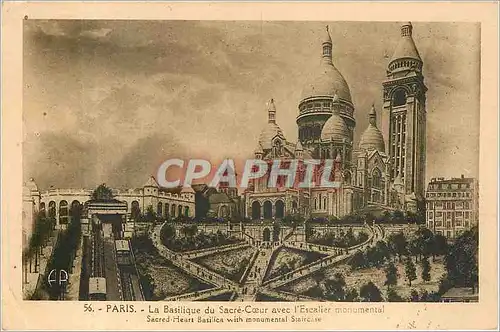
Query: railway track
[[98, 268]]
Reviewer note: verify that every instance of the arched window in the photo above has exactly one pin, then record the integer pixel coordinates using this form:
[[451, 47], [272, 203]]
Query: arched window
[[186, 211], [255, 210], [268, 210], [315, 203], [280, 209], [324, 203], [347, 178], [135, 210], [42, 209], [63, 212], [159, 209], [399, 98], [376, 175], [52, 209], [167, 206], [173, 211]]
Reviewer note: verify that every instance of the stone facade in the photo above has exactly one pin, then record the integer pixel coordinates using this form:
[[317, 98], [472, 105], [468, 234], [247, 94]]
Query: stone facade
[[452, 205], [389, 176]]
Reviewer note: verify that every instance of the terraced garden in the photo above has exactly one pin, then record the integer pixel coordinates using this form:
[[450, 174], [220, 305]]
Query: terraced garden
[[287, 259], [230, 264], [356, 278], [158, 276]]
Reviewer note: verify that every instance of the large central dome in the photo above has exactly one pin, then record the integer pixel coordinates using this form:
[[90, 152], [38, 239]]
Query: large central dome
[[327, 80]]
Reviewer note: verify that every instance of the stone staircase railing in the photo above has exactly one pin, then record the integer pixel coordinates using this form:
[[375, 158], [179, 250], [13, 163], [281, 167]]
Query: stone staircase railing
[[207, 251], [197, 295], [305, 270], [249, 267], [193, 268], [323, 249]]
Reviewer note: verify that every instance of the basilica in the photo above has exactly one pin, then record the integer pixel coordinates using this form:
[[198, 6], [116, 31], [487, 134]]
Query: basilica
[[385, 170]]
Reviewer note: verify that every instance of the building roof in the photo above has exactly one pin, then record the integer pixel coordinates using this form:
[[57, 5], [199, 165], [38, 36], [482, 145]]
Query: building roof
[[372, 138], [31, 185], [267, 134], [452, 180], [406, 47], [460, 293], [335, 128], [326, 80], [188, 189], [217, 198], [151, 182]]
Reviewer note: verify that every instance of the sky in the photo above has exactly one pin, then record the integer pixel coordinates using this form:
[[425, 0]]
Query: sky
[[109, 101]]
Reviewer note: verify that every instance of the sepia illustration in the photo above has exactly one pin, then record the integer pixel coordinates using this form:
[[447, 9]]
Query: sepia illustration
[[250, 161]]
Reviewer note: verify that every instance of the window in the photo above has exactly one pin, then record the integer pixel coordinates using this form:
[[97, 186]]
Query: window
[[431, 215], [454, 194], [448, 215], [439, 214], [399, 98], [467, 215]]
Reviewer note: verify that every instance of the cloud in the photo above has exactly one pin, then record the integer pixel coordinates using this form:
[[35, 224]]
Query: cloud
[[203, 85], [96, 33]]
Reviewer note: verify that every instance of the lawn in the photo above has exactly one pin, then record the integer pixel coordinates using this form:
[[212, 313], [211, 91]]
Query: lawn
[[158, 276], [230, 264], [357, 278], [285, 260]]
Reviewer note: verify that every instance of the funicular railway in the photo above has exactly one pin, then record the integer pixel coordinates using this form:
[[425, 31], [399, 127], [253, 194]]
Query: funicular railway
[[113, 274]]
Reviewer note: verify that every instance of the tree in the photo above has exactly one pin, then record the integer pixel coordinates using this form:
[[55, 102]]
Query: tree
[[410, 271], [357, 261], [398, 244], [150, 215], [370, 218], [391, 275], [398, 217], [102, 193], [318, 277], [414, 296], [425, 241], [335, 288], [383, 249], [414, 248], [370, 293], [461, 260], [440, 245], [167, 234], [352, 295], [426, 269], [393, 296]]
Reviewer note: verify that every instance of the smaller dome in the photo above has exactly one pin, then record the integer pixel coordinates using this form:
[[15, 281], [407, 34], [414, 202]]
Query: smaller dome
[[258, 149], [372, 139], [187, 190], [335, 128], [298, 146], [31, 184], [268, 133]]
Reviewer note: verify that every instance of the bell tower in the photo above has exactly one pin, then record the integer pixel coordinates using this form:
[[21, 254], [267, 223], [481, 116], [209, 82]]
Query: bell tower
[[404, 104]]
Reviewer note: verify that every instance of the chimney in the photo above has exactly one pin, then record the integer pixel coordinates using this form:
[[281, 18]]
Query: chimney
[[462, 176]]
